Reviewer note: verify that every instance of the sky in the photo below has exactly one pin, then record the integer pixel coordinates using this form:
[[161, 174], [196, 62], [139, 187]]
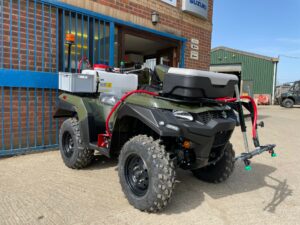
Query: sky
[[267, 27]]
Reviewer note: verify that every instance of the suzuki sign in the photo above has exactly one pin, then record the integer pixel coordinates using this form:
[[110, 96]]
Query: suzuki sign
[[196, 7]]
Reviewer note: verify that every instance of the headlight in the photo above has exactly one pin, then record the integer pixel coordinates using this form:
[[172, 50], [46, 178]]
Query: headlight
[[108, 99], [183, 115]]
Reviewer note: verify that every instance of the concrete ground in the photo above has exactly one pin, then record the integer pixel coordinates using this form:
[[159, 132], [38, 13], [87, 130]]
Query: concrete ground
[[39, 189]]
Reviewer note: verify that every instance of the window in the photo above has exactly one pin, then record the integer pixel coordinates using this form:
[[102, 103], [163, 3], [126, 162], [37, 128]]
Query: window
[[297, 87], [92, 40]]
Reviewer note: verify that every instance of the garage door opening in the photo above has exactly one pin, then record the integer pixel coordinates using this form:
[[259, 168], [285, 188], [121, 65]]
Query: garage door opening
[[147, 49], [246, 87]]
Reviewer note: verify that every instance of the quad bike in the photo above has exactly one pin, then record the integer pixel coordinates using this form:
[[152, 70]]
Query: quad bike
[[182, 118]]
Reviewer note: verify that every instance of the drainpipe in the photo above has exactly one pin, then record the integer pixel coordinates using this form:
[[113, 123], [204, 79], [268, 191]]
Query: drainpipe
[[275, 63]]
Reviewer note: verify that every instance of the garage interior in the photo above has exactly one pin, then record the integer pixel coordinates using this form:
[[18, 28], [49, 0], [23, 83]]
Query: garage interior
[[246, 86], [147, 49]]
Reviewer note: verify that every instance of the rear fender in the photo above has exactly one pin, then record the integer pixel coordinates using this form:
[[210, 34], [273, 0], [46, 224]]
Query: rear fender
[[64, 110], [73, 106]]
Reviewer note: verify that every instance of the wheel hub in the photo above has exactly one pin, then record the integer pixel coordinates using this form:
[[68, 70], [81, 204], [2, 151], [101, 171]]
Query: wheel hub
[[68, 144], [136, 174]]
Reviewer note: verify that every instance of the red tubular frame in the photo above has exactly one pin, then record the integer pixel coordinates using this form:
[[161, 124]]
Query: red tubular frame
[[254, 125], [124, 97], [108, 133]]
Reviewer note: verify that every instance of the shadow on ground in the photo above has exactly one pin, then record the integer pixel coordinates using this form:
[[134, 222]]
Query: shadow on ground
[[189, 191], [102, 162]]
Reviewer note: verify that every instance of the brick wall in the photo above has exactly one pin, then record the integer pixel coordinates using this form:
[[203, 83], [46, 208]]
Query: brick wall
[[172, 20], [10, 37], [16, 109], [35, 117]]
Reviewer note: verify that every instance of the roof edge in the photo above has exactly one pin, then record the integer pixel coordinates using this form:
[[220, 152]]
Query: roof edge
[[273, 59]]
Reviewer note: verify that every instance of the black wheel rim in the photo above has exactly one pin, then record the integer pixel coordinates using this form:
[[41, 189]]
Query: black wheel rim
[[67, 144], [136, 174], [288, 104]]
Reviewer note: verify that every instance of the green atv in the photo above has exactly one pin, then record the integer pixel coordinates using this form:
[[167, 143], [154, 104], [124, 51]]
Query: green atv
[[180, 119]]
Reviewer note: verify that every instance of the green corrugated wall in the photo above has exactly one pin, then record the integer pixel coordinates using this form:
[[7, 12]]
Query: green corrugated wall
[[259, 70]]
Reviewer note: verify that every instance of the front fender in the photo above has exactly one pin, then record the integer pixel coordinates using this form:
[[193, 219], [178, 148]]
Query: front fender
[[151, 117]]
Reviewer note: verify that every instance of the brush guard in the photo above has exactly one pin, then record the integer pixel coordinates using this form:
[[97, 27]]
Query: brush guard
[[237, 104]]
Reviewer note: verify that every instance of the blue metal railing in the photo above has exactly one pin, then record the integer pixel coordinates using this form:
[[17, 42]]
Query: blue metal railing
[[23, 119], [1, 33], [28, 73], [30, 62]]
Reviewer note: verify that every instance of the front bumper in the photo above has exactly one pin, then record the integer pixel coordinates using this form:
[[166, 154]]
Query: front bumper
[[213, 137], [205, 137]]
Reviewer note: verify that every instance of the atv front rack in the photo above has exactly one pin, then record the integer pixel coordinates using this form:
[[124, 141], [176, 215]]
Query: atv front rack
[[237, 104]]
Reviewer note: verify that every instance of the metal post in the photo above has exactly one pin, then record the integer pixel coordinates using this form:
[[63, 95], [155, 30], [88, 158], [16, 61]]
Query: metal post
[[242, 119], [69, 56], [275, 63]]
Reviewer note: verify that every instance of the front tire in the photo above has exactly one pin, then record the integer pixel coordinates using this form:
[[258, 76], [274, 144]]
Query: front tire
[[221, 170], [147, 174], [74, 155], [288, 103]]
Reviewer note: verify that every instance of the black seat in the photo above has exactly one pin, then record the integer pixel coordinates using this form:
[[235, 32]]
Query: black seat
[[156, 78]]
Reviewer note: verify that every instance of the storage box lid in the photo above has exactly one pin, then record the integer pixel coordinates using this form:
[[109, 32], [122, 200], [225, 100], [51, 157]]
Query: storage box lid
[[221, 79], [190, 83]]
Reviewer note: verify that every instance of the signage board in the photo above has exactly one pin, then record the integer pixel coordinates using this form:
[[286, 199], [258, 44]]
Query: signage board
[[170, 2], [196, 7], [195, 41], [195, 55], [195, 47]]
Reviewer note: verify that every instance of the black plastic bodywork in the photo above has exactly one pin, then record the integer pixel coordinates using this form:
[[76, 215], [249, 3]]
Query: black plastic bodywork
[[206, 136], [195, 87], [64, 109]]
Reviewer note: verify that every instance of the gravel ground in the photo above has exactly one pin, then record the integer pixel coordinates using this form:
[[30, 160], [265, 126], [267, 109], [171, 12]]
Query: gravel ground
[[39, 189]]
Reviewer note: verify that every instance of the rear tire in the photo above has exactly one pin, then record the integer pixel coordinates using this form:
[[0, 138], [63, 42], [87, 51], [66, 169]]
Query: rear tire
[[73, 153], [221, 170], [288, 103], [146, 173]]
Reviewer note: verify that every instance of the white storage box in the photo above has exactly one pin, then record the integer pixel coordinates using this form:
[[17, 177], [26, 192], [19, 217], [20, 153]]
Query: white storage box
[[77, 82], [116, 83]]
